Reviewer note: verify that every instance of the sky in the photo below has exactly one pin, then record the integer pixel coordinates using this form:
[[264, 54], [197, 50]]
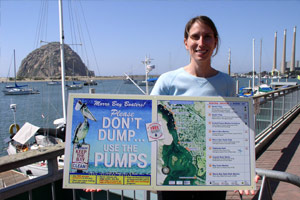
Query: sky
[[116, 35]]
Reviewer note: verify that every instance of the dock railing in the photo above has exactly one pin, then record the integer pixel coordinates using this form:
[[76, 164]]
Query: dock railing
[[273, 111], [25, 158]]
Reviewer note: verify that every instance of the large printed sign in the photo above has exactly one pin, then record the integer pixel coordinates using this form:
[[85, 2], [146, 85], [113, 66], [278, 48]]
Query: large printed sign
[[159, 143]]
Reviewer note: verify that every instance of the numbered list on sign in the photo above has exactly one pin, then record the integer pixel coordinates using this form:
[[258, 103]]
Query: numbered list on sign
[[227, 143]]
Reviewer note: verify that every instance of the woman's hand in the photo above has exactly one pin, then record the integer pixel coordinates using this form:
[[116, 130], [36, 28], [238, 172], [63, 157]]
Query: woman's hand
[[92, 190], [248, 192]]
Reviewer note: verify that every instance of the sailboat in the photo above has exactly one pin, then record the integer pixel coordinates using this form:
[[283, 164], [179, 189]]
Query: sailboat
[[52, 82], [262, 87], [18, 89], [74, 85], [20, 141]]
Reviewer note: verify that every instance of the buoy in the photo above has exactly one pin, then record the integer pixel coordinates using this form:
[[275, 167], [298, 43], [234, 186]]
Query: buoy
[[12, 126]]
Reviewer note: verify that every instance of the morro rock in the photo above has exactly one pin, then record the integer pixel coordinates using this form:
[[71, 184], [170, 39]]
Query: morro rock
[[44, 62]]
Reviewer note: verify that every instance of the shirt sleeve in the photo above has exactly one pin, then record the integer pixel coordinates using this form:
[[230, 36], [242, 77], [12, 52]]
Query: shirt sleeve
[[160, 87]]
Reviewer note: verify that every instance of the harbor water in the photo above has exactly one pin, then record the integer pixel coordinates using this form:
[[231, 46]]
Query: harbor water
[[42, 109]]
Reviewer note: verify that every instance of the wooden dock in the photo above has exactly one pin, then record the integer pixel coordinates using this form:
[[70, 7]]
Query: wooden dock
[[283, 154], [11, 177]]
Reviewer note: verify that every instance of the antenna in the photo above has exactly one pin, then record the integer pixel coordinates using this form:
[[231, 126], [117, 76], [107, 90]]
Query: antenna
[[148, 68]]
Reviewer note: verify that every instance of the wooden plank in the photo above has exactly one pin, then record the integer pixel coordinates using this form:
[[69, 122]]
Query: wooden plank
[[11, 177], [30, 184]]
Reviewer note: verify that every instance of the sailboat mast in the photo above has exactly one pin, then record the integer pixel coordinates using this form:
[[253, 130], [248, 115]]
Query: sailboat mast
[[275, 54], [260, 54], [15, 68], [229, 62], [253, 75], [62, 59]]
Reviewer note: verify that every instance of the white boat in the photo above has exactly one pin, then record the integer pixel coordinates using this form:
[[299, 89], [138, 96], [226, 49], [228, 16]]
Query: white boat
[[151, 82], [31, 137], [18, 89], [75, 86], [90, 82], [264, 88], [21, 142], [276, 77], [52, 82]]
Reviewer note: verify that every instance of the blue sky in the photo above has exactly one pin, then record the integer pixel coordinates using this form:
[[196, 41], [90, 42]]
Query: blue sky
[[122, 33]]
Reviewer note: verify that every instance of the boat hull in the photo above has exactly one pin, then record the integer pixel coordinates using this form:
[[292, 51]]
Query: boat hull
[[74, 87], [16, 91]]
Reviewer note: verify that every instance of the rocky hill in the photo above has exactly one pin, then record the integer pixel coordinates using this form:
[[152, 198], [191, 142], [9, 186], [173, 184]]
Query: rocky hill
[[44, 62]]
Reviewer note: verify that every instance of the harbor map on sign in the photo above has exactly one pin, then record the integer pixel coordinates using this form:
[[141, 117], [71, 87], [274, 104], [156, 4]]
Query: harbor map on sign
[[204, 143], [182, 153]]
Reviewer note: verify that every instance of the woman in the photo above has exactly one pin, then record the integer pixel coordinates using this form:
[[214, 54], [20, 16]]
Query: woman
[[198, 78]]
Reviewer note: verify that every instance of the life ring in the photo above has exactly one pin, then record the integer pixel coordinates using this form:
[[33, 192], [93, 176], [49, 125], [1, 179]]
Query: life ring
[[12, 126]]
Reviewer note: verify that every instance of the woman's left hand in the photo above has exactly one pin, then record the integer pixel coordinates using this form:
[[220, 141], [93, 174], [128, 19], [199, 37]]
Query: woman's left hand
[[248, 192]]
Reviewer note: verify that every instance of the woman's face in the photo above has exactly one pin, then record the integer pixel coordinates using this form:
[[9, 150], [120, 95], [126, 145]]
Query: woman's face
[[201, 42]]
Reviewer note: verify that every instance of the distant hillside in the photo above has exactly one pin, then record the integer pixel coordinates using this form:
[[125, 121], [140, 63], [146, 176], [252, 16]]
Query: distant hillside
[[45, 62]]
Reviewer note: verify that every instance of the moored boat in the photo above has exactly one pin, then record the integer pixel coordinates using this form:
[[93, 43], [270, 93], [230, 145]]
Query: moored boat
[[18, 89], [264, 88], [19, 144], [151, 82], [31, 137], [245, 92], [90, 82], [52, 82], [74, 86]]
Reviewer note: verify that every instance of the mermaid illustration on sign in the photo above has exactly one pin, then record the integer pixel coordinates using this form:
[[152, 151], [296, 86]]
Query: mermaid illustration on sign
[[83, 127]]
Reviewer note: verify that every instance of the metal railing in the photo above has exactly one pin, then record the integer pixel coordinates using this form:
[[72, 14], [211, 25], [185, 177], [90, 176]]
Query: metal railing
[[272, 111], [268, 175]]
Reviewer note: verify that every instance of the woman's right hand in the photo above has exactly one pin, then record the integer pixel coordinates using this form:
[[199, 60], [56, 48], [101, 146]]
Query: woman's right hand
[[92, 190]]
